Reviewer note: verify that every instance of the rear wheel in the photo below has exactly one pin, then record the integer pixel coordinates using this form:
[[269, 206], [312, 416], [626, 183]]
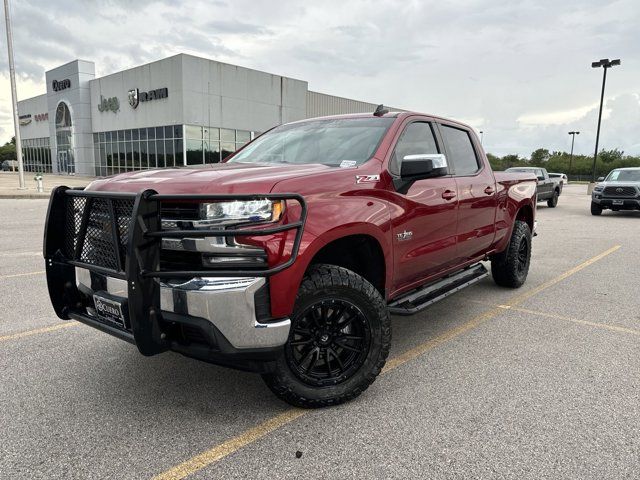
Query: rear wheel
[[595, 209], [510, 268], [553, 201], [338, 343]]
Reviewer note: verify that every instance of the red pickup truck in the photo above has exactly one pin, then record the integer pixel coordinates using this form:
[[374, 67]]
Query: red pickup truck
[[288, 258]]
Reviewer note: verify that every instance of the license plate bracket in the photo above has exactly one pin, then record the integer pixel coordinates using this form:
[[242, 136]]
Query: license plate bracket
[[111, 310]]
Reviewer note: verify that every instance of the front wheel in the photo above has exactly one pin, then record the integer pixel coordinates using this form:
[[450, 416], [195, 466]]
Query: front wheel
[[553, 201], [596, 209], [338, 343], [511, 267]]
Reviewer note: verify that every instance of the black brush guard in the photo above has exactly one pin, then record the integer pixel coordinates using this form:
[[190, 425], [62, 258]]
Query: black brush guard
[[119, 235]]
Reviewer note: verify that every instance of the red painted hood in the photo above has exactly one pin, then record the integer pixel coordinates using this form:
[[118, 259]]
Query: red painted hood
[[220, 178]]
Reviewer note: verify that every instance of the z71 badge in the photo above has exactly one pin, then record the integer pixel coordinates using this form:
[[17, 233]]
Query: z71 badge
[[367, 178]]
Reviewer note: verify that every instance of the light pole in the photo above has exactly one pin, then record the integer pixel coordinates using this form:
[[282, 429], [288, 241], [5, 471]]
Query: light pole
[[481, 137], [14, 97], [573, 138], [606, 64]]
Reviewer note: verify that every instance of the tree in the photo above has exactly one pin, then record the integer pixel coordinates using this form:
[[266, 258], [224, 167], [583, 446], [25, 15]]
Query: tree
[[539, 156], [610, 156]]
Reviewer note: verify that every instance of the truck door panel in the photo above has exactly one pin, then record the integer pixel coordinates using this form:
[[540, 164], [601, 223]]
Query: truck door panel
[[424, 225], [477, 196]]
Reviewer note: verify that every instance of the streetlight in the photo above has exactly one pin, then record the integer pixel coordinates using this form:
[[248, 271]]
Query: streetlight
[[573, 138], [605, 63], [481, 136]]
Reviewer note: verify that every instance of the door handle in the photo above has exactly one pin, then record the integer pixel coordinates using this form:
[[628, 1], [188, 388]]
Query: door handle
[[449, 194], [489, 190]]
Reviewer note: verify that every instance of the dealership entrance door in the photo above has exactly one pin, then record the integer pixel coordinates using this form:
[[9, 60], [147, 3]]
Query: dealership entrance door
[[64, 140]]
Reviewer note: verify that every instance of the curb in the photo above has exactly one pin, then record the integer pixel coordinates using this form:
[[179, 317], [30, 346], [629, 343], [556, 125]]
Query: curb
[[26, 196]]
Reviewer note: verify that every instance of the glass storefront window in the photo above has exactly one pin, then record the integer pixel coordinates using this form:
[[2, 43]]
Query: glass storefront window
[[151, 146], [214, 134], [194, 152], [144, 158], [135, 134], [168, 153], [227, 149], [177, 131], [193, 132], [127, 135], [159, 132], [227, 135], [179, 152], [242, 136], [160, 153], [151, 133], [212, 152], [143, 133]]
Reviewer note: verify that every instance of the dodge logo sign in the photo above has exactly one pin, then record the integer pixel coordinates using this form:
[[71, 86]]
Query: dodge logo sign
[[133, 98]]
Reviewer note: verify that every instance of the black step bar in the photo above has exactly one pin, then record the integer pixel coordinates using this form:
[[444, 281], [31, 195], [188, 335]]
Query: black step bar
[[422, 297]]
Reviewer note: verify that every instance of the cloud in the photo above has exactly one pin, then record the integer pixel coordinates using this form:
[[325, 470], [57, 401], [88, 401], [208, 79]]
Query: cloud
[[519, 70]]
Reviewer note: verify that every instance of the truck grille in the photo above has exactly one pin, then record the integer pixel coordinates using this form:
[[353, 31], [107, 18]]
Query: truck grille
[[620, 192], [104, 243]]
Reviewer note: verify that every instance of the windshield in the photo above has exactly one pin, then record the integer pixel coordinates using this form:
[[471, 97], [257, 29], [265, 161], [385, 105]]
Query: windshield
[[345, 142], [624, 176]]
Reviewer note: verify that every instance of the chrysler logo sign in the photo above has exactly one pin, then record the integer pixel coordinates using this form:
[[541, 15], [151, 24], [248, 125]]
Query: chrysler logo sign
[[135, 96], [58, 85]]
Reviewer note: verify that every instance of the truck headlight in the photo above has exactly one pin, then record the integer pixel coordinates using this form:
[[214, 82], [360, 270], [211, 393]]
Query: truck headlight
[[598, 188], [246, 211]]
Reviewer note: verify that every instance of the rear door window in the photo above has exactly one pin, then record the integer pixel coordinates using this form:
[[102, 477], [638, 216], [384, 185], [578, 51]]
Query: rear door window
[[460, 151]]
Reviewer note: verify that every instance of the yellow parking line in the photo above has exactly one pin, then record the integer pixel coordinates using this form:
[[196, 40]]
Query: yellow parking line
[[2, 277], [28, 333], [613, 328], [234, 444]]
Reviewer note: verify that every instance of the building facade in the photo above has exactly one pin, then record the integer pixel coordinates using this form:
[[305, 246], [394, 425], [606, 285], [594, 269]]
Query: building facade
[[182, 110]]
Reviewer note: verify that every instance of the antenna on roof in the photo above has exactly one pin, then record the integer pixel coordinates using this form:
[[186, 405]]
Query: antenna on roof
[[380, 111]]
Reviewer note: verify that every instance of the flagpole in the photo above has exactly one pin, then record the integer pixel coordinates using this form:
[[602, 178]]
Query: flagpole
[[14, 95]]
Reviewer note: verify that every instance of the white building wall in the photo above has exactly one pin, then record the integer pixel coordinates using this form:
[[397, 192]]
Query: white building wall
[[77, 97], [164, 111], [38, 126]]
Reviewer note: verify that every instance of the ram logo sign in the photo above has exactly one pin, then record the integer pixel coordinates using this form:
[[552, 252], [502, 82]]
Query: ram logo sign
[[136, 96]]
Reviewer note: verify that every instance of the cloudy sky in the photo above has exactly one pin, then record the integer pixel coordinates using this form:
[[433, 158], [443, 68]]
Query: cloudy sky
[[518, 70]]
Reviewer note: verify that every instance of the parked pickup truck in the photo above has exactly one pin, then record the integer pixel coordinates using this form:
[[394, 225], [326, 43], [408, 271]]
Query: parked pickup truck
[[619, 191], [549, 189], [288, 258]]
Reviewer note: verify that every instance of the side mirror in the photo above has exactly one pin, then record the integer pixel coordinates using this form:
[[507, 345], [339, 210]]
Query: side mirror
[[417, 167], [601, 179]]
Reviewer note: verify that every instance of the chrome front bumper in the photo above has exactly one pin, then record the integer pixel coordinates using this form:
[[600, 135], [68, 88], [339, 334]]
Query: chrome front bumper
[[228, 303]]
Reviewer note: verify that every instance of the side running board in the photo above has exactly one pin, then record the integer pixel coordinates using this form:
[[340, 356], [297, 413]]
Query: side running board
[[422, 297]]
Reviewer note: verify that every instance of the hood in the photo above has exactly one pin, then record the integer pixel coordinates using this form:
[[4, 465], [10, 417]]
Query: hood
[[219, 178]]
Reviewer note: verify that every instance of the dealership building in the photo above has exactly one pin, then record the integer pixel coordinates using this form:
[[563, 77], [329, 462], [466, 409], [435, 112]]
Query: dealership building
[[182, 110]]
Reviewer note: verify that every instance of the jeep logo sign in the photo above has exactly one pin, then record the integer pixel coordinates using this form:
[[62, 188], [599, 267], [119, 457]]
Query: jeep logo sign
[[58, 85], [111, 104], [135, 96]]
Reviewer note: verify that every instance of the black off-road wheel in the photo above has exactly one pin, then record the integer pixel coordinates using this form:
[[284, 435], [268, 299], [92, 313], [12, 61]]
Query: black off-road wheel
[[553, 201], [338, 343], [595, 209], [510, 268]]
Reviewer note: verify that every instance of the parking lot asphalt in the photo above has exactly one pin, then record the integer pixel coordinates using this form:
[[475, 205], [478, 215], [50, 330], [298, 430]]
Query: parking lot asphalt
[[537, 382]]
